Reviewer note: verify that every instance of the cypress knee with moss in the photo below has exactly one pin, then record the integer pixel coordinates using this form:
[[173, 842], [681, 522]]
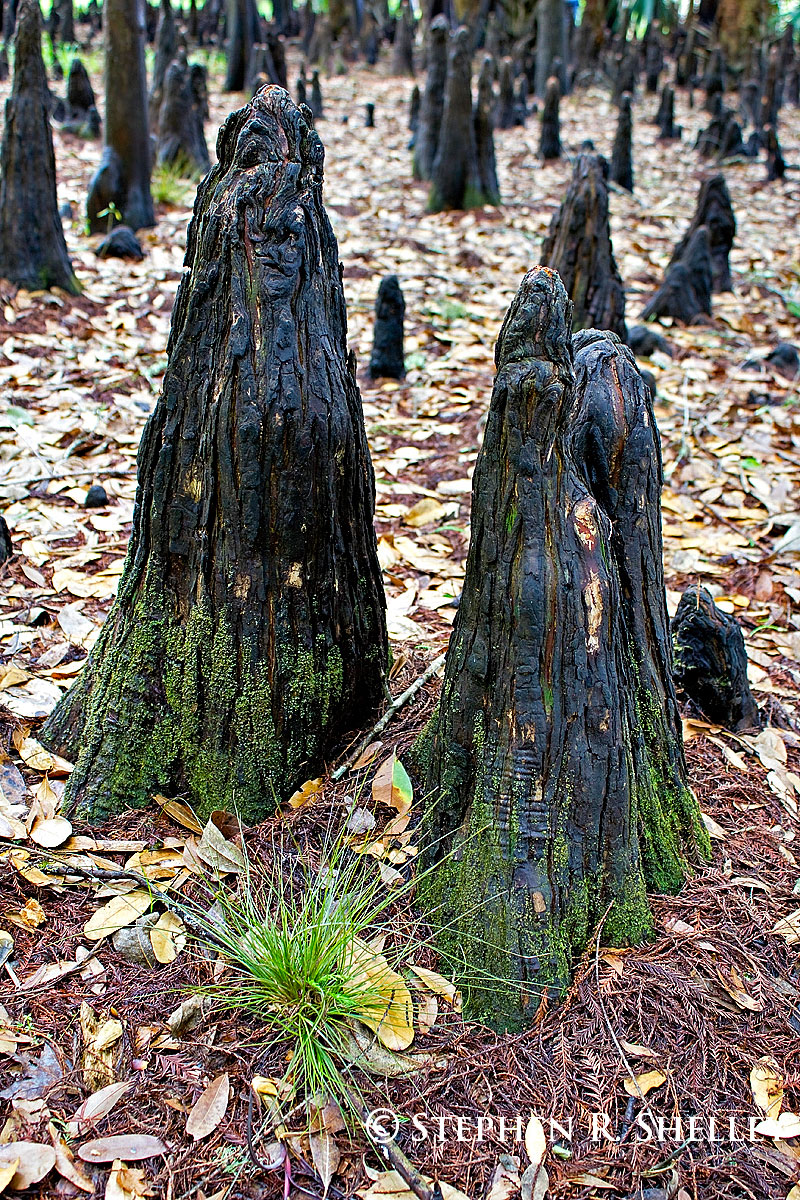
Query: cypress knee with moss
[[249, 629], [555, 759]]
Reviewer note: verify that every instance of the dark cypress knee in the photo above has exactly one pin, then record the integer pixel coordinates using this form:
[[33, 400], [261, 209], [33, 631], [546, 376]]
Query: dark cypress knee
[[686, 290], [550, 139], [621, 170], [578, 246], [432, 106], [714, 211], [711, 661], [33, 253], [387, 360]]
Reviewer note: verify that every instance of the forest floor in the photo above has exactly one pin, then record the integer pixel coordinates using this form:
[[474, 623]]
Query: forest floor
[[719, 990]]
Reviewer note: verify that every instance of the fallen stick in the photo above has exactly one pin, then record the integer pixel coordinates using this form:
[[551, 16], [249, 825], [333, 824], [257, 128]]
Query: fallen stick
[[394, 707]]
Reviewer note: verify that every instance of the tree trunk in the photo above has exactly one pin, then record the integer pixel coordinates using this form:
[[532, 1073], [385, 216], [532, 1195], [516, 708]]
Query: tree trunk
[[249, 630], [240, 45], [556, 754], [166, 49], [123, 177], [550, 41], [430, 114], [578, 246], [715, 211], [33, 253], [483, 125]]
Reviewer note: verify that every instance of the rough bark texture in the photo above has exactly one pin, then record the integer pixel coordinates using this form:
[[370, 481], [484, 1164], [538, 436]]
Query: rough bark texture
[[387, 360], [621, 169], [432, 106], [686, 290], [578, 246], [454, 180], [711, 661], [483, 124], [181, 140], [550, 137], [722, 137], [33, 253], [715, 211], [124, 172], [555, 760], [249, 629]]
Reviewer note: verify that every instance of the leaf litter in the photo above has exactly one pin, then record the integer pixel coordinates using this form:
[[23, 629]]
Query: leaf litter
[[715, 1011]]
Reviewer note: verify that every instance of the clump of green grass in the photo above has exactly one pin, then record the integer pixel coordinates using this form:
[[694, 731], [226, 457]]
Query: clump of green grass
[[171, 184]]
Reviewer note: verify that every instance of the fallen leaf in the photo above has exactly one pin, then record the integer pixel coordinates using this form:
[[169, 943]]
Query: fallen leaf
[[439, 986], [65, 1162], [390, 1014], [505, 1180], [209, 1110], [789, 927], [180, 813], [787, 1125], [8, 1170], [129, 1147], [119, 912], [712, 828], [642, 1084], [218, 853], [126, 1183], [306, 793], [326, 1157], [32, 1161], [766, 1084], [535, 1140], [51, 833], [168, 937], [98, 1105]]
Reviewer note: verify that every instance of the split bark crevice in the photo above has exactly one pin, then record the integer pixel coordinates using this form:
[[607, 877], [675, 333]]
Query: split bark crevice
[[249, 629], [555, 758]]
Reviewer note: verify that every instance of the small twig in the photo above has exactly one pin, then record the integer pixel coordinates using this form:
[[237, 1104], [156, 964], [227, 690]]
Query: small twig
[[394, 707]]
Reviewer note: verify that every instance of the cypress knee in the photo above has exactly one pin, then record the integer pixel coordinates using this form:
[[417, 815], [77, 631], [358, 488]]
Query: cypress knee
[[454, 179], [80, 93], [316, 105], [33, 253], [665, 117], [686, 291], [578, 246], [483, 125], [388, 361], [714, 211], [711, 661], [123, 177], [432, 106], [249, 631], [507, 102], [621, 170], [6, 547], [555, 756], [550, 139], [181, 139]]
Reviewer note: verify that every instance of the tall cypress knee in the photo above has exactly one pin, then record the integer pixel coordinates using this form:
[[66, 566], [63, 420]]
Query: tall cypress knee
[[387, 360], [454, 180], [123, 177], [578, 246], [621, 171], [550, 139], [249, 629], [714, 211], [483, 125], [432, 105], [33, 253], [555, 757]]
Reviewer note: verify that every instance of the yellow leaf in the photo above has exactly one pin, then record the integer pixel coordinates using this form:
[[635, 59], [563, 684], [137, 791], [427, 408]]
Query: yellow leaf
[[766, 1084], [119, 912], [168, 937], [424, 512], [439, 985], [306, 793], [387, 1008], [789, 927], [645, 1083], [180, 812]]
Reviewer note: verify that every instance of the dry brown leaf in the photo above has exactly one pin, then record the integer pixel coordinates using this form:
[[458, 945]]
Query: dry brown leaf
[[439, 986], [126, 1183], [326, 1157], [789, 927], [129, 1147], [505, 1181], [535, 1140], [209, 1110], [33, 1161], [391, 1015], [65, 1162], [766, 1084], [217, 852], [51, 833], [644, 1083]]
